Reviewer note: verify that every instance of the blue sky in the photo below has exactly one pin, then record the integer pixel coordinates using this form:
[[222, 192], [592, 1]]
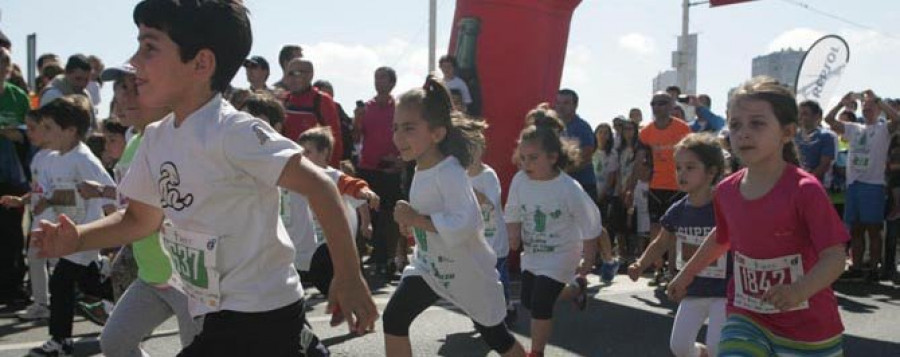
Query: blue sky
[[615, 47]]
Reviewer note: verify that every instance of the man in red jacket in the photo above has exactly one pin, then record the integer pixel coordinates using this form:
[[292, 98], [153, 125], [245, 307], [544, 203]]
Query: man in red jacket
[[306, 107]]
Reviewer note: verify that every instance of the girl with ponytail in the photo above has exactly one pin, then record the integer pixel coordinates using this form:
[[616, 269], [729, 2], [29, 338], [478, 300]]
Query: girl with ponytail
[[554, 220], [452, 260], [787, 240]]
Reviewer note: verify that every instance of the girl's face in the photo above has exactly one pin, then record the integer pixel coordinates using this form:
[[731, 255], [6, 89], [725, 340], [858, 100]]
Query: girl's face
[[756, 135], [603, 134], [692, 174], [316, 156], [537, 163], [414, 138], [114, 145], [629, 132], [35, 133]]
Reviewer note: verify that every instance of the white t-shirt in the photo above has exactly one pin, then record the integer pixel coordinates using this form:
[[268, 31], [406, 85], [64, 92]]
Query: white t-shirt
[[488, 184], [307, 237], [456, 262], [64, 172], [556, 216], [604, 164], [459, 84], [215, 175], [40, 163], [868, 152]]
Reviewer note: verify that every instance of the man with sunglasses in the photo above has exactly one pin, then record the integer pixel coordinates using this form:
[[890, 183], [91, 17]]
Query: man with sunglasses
[[306, 107], [661, 136]]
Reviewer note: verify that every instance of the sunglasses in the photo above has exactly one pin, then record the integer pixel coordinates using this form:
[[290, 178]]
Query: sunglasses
[[297, 73]]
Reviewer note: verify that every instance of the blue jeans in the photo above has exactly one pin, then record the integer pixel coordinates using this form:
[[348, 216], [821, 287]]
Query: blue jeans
[[504, 277]]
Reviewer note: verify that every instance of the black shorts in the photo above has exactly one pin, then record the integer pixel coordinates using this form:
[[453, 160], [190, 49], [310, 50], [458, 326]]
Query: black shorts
[[617, 217], [659, 202], [321, 270], [539, 294], [269, 333]]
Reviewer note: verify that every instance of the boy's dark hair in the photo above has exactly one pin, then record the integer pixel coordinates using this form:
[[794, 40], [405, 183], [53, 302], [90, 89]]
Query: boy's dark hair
[[78, 61], [544, 131], [221, 26], [320, 137], [285, 54], [437, 109], [812, 106], [114, 127], [67, 113], [449, 58], [44, 58], [570, 93], [262, 104], [707, 148]]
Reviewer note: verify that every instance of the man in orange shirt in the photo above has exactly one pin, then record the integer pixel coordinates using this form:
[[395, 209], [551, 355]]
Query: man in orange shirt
[[661, 135]]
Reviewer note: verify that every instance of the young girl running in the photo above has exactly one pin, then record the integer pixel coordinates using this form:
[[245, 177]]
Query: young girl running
[[549, 214], [787, 241], [487, 190], [452, 260], [699, 164]]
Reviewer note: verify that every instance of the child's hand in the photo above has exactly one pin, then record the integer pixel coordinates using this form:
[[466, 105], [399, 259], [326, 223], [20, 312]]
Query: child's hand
[[677, 288], [783, 297], [634, 271], [54, 240], [11, 201], [371, 197], [404, 214], [90, 189]]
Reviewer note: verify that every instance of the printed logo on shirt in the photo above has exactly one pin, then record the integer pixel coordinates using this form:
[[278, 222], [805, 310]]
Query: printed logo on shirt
[[261, 133], [168, 188]]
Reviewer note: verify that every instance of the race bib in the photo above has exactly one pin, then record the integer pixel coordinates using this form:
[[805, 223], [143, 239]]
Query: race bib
[[685, 248], [193, 257], [753, 277], [860, 162]]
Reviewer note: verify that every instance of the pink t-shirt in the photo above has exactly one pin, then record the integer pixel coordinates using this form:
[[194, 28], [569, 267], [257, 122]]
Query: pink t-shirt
[[377, 134], [784, 229]]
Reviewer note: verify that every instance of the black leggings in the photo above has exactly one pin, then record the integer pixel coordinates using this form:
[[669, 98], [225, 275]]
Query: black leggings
[[539, 294], [321, 270], [414, 296]]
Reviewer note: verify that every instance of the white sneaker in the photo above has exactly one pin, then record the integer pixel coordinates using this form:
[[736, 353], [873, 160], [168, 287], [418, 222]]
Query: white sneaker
[[53, 348], [34, 311]]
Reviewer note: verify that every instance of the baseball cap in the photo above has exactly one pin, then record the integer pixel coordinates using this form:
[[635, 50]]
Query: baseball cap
[[114, 73], [257, 60]]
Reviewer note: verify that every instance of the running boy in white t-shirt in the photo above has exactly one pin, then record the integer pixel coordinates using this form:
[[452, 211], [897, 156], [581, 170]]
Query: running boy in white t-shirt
[[37, 267], [65, 124], [210, 175]]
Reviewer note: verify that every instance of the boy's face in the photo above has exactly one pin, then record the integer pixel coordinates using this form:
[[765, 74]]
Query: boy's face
[[35, 133], [57, 138], [114, 145], [318, 157], [161, 78], [126, 97]]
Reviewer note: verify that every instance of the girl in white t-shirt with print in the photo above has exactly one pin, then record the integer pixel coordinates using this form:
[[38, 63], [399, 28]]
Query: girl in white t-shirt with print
[[452, 260], [554, 219]]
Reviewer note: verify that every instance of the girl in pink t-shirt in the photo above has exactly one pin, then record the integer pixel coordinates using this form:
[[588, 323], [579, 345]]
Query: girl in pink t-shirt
[[788, 243]]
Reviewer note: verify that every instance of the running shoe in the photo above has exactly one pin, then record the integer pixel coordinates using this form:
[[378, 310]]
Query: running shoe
[[33, 312], [94, 312], [53, 348], [608, 271], [581, 299]]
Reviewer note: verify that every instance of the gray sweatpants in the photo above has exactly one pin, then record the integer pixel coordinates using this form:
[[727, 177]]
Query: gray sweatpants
[[138, 312]]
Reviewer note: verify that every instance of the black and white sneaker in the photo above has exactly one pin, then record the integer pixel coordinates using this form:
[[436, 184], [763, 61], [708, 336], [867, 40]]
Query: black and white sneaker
[[53, 348]]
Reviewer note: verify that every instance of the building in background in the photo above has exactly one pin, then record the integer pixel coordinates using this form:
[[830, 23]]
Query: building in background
[[782, 65]]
